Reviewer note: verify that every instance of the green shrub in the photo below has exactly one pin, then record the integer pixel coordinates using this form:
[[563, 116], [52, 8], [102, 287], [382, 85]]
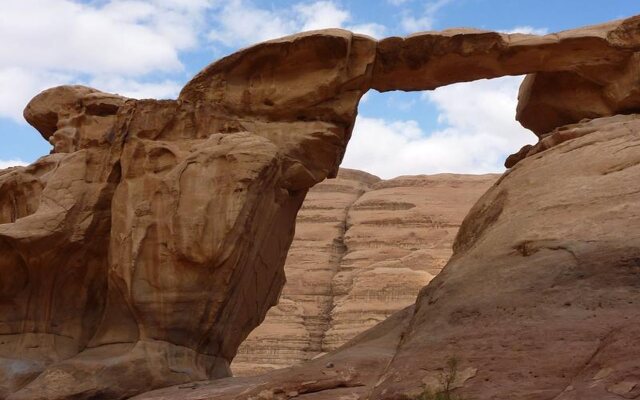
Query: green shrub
[[447, 378]]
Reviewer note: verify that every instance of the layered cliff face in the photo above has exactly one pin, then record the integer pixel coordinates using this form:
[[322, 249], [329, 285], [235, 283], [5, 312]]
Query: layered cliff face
[[539, 301], [294, 330], [152, 241], [363, 249]]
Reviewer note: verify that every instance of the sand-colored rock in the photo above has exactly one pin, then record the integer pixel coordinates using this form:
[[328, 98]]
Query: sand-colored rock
[[555, 247], [118, 272], [363, 249], [399, 236], [294, 330], [540, 296], [550, 100], [158, 238]]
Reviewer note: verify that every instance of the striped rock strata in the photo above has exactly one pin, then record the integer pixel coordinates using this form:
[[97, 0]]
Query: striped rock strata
[[363, 249]]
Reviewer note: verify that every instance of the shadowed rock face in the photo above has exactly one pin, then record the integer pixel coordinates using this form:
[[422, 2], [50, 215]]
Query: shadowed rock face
[[119, 275], [144, 250], [539, 300]]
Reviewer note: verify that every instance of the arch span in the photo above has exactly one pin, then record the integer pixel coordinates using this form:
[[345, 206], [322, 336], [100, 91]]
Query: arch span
[[322, 74]]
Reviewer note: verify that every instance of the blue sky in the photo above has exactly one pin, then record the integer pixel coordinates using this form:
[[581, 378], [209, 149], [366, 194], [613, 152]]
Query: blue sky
[[151, 48]]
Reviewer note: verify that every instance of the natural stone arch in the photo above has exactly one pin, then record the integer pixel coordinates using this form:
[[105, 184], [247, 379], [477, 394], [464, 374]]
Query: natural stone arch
[[304, 75], [195, 199]]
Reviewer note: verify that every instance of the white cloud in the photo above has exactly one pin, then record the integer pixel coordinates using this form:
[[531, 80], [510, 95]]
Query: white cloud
[[529, 30], [410, 23], [123, 36], [19, 85], [63, 41], [11, 163], [321, 14], [479, 132], [129, 46], [240, 23]]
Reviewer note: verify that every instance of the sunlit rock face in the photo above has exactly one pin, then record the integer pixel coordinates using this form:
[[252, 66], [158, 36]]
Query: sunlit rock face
[[149, 244]]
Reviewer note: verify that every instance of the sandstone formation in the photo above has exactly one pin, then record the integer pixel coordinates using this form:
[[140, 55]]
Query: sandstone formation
[[589, 93], [154, 237], [363, 249], [133, 250], [539, 301], [294, 329]]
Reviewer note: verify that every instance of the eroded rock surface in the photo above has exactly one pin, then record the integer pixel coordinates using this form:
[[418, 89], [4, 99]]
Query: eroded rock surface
[[119, 276], [363, 249], [152, 241], [539, 301]]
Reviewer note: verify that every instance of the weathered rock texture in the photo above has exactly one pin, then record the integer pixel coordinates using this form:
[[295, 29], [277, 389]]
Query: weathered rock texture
[[127, 268], [539, 301], [294, 330], [158, 233], [590, 93], [363, 249]]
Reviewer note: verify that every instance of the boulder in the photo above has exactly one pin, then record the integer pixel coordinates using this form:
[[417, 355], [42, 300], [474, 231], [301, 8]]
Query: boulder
[[550, 100]]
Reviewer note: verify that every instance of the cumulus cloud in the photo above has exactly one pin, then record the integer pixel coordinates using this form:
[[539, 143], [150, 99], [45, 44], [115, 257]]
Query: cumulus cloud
[[321, 14], [529, 30], [240, 23], [114, 40], [19, 85], [11, 163], [122, 36], [478, 130]]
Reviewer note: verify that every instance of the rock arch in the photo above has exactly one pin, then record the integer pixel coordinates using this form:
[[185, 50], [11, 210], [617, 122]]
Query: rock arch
[[162, 227]]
